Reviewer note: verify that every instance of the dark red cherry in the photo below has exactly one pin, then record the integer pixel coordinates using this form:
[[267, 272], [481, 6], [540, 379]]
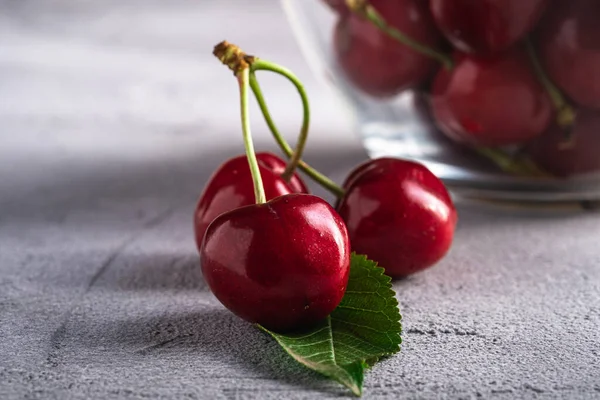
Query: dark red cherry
[[490, 101], [485, 26], [283, 264], [399, 214], [378, 64], [231, 187], [569, 47], [580, 155]]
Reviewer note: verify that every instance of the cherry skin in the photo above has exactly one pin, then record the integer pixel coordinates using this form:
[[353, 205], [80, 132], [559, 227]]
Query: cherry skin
[[569, 48], [399, 214], [378, 64], [581, 155], [490, 101], [485, 26], [231, 187], [283, 264]]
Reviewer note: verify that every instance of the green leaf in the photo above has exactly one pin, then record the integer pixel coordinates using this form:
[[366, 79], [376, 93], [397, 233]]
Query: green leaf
[[364, 327]]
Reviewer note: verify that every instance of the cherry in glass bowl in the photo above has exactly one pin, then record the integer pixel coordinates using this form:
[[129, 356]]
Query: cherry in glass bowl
[[513, 115]]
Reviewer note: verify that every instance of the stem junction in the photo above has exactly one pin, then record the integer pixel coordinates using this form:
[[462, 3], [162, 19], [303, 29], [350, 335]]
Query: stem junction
[[241, 64], [234, 58]]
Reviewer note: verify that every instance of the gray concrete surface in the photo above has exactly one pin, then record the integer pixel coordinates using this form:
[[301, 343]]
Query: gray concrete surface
[[112, 116]]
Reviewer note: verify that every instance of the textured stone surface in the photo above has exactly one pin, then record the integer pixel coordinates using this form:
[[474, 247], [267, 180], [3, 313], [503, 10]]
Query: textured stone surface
[[112, 116]]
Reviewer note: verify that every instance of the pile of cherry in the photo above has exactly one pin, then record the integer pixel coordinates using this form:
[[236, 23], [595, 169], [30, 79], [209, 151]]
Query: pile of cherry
[[278, 256], [522, 76]]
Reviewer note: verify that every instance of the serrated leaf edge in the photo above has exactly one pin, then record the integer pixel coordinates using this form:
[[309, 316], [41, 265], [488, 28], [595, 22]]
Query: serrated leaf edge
[[365, 363], [356, 389], [388, 284]]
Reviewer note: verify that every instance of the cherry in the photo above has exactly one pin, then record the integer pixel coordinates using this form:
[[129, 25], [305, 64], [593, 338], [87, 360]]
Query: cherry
[[569, 47], [283, 264], [485, 26], [490, 101], [231, 187], [564, 158], [399, 214], [378, 64]]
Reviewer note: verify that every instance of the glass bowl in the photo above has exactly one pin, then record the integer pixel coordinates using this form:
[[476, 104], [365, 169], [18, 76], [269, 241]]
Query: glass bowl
[[403, 125]]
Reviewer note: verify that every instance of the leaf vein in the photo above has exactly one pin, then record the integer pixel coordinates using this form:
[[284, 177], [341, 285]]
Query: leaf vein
[[308, 344], [359, 325]]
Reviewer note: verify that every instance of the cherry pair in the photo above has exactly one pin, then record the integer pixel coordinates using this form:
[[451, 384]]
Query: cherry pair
[[396, 211]]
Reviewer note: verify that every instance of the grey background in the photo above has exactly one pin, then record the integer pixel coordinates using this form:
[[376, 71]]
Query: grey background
[[113, 115]]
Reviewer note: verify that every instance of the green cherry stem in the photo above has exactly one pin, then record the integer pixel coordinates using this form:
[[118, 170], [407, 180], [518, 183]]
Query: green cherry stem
[[517, 165], [237, 61], [285, 147], [243, 67], [366, 10], [258, 64], [254, 85], [243, 77], [565, 115]]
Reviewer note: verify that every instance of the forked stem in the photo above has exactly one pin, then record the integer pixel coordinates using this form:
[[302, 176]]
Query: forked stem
[[232, 56], [262, 65], [285, 147]]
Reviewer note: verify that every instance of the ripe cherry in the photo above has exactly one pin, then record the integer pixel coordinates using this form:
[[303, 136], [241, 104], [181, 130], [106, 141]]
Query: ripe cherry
[[399, 214], [565, 158], [485, 26], [569, 43], [231, 187], [283, 264], [490, 101], [378, 64]]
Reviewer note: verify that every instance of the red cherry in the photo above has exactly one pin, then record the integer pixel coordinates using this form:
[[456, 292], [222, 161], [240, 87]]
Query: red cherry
[[491, 101], [231, 187], [580, 155], [569, 43], [399, 214], [485, 26], [283, 264], [378, 64]]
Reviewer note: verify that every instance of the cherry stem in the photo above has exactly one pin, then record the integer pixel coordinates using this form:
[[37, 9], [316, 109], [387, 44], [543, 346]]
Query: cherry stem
[[565, 114], [366, 10], [243, 76], [285, 147], [514, 165], [243, 67], [262, 65]]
